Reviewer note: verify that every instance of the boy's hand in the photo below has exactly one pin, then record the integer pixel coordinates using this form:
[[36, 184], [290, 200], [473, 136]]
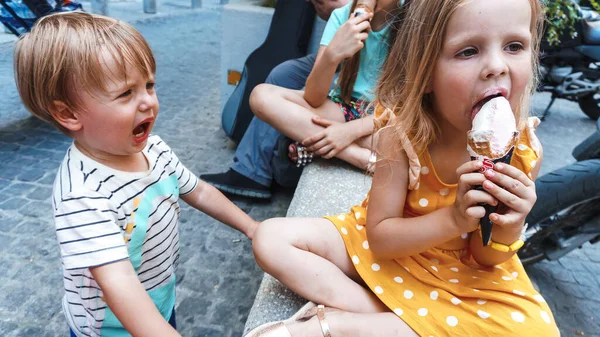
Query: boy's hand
[[466, 210], [514, 190], [330, 141], [349, 38]]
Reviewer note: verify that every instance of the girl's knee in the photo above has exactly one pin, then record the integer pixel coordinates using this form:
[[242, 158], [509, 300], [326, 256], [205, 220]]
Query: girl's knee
[[269, 241], [260, 98]]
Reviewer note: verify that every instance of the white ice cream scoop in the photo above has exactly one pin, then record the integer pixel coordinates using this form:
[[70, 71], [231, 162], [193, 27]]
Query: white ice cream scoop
[[494, 130]]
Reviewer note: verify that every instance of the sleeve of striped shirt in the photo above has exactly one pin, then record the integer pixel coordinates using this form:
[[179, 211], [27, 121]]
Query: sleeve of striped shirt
[[187, 180], [87, 231]]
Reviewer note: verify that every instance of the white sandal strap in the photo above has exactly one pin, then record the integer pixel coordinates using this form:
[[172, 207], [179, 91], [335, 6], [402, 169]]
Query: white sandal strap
[[324, 325]]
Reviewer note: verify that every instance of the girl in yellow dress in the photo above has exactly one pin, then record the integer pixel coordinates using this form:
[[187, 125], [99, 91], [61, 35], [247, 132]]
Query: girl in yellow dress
[[409, 261]]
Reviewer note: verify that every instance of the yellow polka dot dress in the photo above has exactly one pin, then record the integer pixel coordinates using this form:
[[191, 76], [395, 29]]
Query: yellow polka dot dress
[[446, 293]]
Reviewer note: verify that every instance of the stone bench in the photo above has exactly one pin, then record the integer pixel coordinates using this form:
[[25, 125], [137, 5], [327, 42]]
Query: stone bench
[[326, 187]]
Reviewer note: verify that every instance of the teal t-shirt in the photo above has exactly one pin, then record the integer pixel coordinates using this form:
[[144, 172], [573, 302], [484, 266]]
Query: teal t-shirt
[[372, 55]]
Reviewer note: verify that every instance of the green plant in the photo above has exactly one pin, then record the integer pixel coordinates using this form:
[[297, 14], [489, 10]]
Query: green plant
[[561, 16]]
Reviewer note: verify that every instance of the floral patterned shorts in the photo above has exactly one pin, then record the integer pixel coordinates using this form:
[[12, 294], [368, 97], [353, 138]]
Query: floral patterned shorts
[[354, 110]]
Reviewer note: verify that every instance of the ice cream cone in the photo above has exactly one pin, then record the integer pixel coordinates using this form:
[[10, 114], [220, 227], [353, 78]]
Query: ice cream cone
[[492, 139]]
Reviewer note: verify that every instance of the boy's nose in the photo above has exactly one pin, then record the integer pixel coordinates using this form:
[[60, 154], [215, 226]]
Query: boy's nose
[[495, 66], [147, 102]]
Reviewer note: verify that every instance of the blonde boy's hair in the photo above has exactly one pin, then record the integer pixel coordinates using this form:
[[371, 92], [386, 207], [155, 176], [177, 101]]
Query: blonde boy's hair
[[67, 50], [408, 69]]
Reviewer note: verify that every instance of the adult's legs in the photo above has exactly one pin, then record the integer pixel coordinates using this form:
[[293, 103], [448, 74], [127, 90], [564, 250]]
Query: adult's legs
[[309, 256], [287, 111], [253, 163]]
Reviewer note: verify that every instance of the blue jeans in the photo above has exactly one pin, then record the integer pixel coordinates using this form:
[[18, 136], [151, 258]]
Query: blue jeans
[[172, 321], [256, 156]]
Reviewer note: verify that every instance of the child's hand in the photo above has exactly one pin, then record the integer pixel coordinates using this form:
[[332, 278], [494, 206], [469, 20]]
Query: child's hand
[[466, 210], [349, 38], [514, 190], [330, 141]]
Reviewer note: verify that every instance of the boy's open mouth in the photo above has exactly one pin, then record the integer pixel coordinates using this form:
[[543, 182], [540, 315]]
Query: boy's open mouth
[[142, 130], [482, 102]]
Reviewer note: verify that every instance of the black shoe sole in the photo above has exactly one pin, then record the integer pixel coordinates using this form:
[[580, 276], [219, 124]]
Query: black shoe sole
[[243, 192]]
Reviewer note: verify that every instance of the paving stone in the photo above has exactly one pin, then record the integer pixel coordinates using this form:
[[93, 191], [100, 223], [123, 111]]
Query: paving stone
[[31, 174], [7, 328], [586, 279], [13, 203], [38, 210], [564, 275], [19, 189], [4, 147], [41, 193], [9, 173], [206, 332]]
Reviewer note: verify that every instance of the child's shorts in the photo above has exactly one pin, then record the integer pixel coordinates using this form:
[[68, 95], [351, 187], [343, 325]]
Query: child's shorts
[[172, 321], [354, 110]]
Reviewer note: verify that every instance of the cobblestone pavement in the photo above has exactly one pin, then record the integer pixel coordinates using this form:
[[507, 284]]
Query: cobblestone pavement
[[217, 276]]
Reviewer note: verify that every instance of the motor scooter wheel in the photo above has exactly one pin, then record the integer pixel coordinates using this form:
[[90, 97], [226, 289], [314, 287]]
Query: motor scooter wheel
[[566, 198], [590, 105]]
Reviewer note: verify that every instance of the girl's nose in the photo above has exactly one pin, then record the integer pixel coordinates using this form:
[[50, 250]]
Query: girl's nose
[[495, 66]]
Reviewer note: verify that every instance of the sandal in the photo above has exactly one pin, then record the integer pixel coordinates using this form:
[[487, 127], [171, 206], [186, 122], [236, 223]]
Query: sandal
[[279, 329], [303, 156]]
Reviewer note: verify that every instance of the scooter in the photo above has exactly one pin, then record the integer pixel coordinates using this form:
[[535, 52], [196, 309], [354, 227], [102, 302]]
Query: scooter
[[567, 212], [572, 69]]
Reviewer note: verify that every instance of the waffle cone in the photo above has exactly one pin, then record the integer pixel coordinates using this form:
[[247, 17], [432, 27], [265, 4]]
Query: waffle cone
[[484, 148]]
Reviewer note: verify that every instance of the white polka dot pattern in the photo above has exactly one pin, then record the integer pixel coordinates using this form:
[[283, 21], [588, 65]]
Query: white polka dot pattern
[[517, 316], [434, 295], [452, 321]]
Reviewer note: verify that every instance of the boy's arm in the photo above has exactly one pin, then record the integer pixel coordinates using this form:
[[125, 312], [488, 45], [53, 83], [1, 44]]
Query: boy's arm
[[209, 200], [127, 298]]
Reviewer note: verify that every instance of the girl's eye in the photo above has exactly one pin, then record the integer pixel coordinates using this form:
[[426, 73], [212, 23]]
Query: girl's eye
[[468, 52], [125, 94], [150, 85], [514, 47]]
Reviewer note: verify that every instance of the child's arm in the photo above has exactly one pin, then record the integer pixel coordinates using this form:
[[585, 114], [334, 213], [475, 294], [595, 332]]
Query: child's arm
[[127, 298], [515, 190], [337, 136], [390, 234], [209, 200], [347, 41]]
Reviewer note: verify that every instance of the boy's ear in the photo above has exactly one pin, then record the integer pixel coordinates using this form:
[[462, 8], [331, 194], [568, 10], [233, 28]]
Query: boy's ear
[[64, 116]]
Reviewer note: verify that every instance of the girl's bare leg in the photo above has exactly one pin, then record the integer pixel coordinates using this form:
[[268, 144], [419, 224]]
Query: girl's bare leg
[[309, 256], [350, 324], [288, 112]]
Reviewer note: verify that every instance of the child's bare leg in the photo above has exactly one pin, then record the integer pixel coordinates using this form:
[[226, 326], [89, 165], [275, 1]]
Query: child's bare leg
[[309, 256], [350, 324], [288, 112]]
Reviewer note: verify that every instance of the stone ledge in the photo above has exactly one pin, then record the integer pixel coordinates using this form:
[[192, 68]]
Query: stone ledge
[[326, 187]]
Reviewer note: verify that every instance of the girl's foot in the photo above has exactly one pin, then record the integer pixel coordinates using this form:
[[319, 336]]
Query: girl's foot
[[299, 155], [311, 322]]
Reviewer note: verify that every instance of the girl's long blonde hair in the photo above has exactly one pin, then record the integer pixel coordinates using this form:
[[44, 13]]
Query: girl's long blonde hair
[[401, 91]]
